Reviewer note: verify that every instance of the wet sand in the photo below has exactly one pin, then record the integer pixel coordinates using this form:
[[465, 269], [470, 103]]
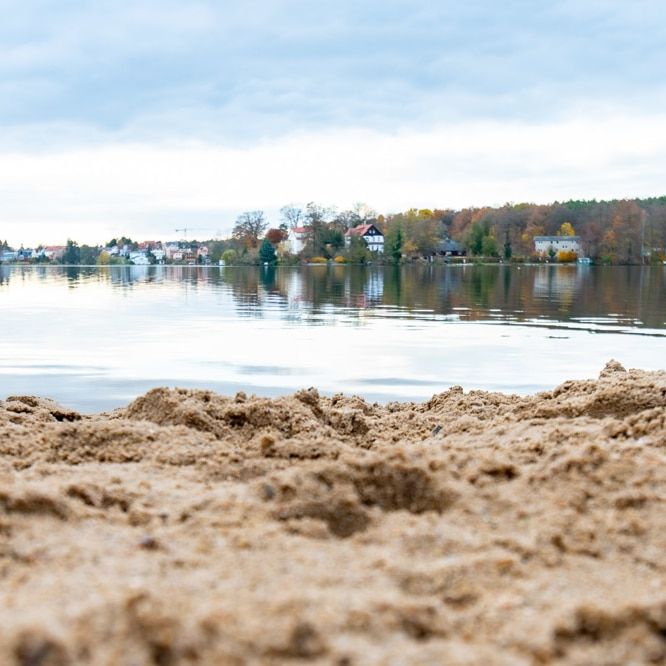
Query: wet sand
[[475, 528]]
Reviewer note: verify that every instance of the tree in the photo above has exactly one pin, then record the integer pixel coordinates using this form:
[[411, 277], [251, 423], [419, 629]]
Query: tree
[[475, 238], [229, 256], [360, 214], [489, 246], [566, 229], [267, 252], [291, 216], [394, 239], [319, 236], [88, 255], [358, 250], [276, 236], [249, 227], [508, 251], [72, 254]]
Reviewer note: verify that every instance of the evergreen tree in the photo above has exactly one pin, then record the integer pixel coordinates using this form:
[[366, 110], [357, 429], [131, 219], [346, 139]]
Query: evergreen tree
[[267, 252], [72, 255], [508, 250]]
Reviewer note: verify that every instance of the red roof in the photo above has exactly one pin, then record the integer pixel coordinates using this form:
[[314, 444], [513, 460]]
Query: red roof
[[361, 230], [300, 230]]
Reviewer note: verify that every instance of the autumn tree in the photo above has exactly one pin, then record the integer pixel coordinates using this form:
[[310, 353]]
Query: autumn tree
[[566, 229], [249, 228], [276, 236]]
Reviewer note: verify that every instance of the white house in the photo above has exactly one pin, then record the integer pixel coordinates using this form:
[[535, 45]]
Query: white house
[[139, 258], [297, 239], [546, 244], [373, 238]]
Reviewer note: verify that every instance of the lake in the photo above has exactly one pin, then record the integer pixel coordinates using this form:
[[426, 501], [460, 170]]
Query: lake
[[94, 338]]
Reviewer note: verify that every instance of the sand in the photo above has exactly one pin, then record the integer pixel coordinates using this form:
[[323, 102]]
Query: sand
[[476, 528]]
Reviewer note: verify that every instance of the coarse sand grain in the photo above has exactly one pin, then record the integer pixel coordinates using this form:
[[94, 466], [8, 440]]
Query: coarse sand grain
[[475, 528]]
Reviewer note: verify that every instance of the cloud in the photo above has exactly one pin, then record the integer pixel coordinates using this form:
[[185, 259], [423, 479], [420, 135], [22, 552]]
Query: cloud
[[240, 71], [147, 189]]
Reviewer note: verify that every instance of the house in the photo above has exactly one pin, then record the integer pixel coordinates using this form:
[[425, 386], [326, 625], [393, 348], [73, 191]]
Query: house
[[172, 249], [139, 258], [450, 248], [25, 253], [551, 245], [7, 255], [373, 238], [159, 255], [155, 248], [297, 238], [54, 252]]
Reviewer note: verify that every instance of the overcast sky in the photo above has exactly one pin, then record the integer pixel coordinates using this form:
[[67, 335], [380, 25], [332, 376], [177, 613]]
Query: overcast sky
[[142, 117]]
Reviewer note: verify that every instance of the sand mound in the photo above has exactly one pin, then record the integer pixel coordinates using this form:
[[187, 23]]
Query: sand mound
[[475, 528]]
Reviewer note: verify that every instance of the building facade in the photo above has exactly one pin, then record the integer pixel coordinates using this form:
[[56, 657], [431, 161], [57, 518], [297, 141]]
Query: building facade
[[296, 239], [373, 238], [553, 244]]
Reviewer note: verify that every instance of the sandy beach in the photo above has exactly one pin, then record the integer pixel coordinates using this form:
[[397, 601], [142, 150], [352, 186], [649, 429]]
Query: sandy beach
[[475, 528]]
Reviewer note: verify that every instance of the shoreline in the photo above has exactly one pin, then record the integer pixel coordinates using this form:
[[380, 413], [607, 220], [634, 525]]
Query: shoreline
[[474, 527]]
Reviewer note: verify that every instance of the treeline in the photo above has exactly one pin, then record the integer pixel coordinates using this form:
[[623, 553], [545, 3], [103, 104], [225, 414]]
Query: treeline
[[626, 231], [619, 231]]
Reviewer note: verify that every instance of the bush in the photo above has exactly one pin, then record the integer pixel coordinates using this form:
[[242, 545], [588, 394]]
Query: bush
[[318, 260], [340, 259], [288, 259], [566, 256], [229, 256]]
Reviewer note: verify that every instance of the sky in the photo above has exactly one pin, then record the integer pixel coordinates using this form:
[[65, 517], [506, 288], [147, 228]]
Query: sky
[[144, 117]]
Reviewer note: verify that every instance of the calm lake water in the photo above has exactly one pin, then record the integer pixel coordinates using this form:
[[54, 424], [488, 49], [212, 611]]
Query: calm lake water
[[94, 338]]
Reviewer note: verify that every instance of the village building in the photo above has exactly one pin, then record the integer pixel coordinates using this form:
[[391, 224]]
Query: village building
[[155, 248], [546, 245], [297, 238], [139, 258], [172, 251], [54, 252], [372, 236], [450, 248]]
